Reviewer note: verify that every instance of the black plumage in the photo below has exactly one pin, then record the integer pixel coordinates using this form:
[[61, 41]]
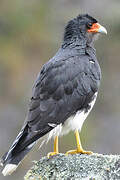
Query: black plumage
[[66, 84]]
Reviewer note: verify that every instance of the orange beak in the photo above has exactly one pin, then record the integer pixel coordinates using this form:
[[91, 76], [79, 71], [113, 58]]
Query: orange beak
[[97, 28]]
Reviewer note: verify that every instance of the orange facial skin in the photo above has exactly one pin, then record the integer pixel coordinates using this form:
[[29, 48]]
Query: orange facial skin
[[94, 29]]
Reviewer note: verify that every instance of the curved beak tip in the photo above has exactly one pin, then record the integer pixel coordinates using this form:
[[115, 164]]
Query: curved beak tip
[[102, 30]]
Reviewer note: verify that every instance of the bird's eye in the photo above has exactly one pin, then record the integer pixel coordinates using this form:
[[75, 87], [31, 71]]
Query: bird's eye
[[89, 25]]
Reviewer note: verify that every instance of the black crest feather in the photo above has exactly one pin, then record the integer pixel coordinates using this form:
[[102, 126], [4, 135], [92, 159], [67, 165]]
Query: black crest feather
[[86, 17]]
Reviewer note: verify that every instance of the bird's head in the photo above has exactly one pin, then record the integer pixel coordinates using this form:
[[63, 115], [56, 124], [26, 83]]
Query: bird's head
[[83, 27]]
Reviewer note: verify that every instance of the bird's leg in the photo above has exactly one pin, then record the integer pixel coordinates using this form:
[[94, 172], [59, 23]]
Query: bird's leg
[[55, 148], [79, 146]]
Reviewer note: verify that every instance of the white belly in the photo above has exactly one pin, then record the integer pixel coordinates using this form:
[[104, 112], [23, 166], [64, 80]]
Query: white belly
[[72, 123]]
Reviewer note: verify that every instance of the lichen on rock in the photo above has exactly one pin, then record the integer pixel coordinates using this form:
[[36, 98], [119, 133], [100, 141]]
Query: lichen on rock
[[76, 167]]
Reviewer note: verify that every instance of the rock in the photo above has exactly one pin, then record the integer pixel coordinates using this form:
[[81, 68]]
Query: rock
[[75, 167]]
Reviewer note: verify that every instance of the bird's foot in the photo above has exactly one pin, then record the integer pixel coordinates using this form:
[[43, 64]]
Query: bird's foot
[[76, 151], [52, 154]]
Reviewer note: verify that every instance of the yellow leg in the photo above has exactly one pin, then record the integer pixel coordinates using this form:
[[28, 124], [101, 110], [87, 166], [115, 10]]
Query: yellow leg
[[55, 148], [56, 144], [79, 146]]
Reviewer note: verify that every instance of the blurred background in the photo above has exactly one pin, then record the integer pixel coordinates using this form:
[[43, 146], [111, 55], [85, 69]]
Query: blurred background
[[30, 34]]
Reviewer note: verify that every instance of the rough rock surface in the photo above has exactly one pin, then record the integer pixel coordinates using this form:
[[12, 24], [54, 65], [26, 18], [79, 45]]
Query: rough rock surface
[[75, 167]]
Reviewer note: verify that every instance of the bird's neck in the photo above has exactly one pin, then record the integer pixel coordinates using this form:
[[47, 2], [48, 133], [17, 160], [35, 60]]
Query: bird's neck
[[79, 45]]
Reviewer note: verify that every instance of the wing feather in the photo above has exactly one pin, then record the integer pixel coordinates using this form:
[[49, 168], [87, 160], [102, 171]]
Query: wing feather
[[62, 87]]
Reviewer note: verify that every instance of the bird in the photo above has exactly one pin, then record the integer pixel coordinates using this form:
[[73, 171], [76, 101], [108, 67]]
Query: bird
[[63, 94]]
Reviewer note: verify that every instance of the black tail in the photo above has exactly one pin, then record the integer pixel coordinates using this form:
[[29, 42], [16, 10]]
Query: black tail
[[20, 147]]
